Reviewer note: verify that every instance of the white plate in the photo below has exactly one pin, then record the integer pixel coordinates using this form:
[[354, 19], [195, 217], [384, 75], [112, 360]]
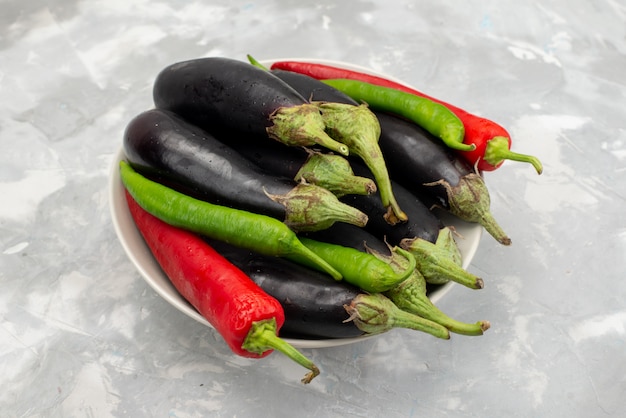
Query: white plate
[[140, 255]]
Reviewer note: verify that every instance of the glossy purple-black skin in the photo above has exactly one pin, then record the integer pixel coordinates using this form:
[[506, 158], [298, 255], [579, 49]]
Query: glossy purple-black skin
[[281, 160], [218, 91], [312, 301], [422, 222], [161, 144], [272, 156], [415, 158]]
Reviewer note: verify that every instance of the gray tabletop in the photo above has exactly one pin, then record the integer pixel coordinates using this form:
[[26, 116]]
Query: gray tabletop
[[82, 334]]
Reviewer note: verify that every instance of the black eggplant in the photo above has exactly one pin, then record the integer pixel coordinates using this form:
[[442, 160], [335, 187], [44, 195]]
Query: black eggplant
[[160, 143], [425, 166], [221, 92], [317, 307]]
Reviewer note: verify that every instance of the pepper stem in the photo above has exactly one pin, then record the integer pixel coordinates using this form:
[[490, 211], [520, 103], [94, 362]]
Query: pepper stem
[[436, 264], [497, 150], [358, 128], [375, 313], [263, 336], [256, 63]]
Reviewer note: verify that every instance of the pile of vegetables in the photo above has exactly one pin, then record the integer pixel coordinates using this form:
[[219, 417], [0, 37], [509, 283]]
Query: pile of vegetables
[[296, 201]]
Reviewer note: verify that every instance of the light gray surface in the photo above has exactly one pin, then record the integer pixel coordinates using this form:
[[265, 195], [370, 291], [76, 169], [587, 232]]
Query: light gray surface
[[82, 334]]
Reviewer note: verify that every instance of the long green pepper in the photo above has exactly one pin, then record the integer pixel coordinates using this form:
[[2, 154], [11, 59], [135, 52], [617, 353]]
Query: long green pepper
[[244, 229], [432, 116]]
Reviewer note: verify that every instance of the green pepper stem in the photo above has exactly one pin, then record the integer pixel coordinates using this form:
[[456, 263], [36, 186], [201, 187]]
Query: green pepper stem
[[497, 150], [453, 136], [256, 63], [263, 336], [437, 266]]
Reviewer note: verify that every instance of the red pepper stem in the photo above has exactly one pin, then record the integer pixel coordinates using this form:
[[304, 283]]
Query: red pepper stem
[[263, 336], [497, 150]]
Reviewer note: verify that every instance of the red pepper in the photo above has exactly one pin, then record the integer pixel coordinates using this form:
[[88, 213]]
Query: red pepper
[[492, 141], [245, 316]]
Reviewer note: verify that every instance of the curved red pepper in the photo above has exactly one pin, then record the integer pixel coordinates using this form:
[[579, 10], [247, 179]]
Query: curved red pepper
[[492, 141], [245, 316]]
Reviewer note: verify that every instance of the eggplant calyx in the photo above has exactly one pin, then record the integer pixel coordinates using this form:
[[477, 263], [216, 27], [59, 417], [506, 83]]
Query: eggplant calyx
[[436, 264], [313, 208], [470, 201], [302, 125], [410, 296], [445, 241], [375, 314], [333, 172], [358, 128]]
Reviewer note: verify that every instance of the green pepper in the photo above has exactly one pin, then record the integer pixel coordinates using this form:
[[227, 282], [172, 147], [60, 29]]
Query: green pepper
[[237, 227], [359, 268], [432, 116]]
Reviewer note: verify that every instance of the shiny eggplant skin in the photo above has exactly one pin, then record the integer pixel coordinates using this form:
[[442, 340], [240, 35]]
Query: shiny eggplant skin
[[219, 91], [162, 144], [417, 159], [312, 301]]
